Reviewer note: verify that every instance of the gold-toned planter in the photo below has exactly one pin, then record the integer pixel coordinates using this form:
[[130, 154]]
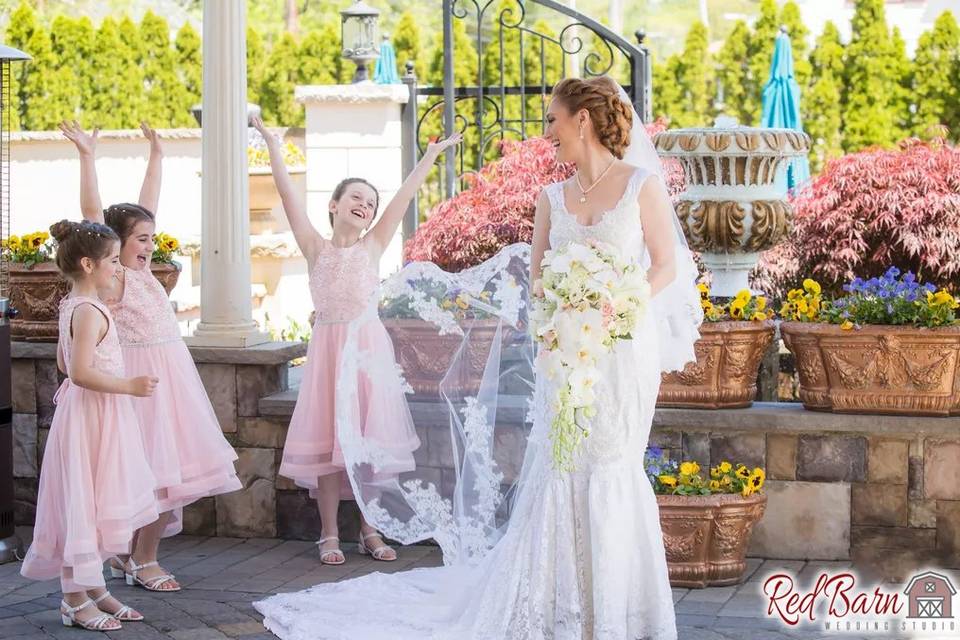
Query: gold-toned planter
[[424, 355], [877, 368], [706, 537], [168, 273], [725, 373], [35, 292]]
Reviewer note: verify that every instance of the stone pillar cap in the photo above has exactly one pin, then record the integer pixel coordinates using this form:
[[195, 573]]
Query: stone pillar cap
[[359, 93]]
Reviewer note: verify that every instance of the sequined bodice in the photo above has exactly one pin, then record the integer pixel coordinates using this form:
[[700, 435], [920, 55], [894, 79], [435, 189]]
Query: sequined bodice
[[619, 226], [144, 314], [107, 357], [342, 282]]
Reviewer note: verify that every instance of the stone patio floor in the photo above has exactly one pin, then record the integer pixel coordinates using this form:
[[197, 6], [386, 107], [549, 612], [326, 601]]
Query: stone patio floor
[[224, 576]]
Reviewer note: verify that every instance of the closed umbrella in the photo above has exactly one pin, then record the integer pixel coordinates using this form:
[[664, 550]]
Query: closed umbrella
[[386, 71], [781, 107]]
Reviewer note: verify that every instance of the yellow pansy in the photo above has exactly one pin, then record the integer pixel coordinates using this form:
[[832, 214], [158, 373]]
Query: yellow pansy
[[803, 307], [668, 481], [704, 290], [725, 480], [846, 325], [744, 294], [759, 316], [447, 304], [743, 472], [462, 302], [725, 467], [747, 490], [812, 286], [12, 243], [689, 468], [714, 485], [761, 303]]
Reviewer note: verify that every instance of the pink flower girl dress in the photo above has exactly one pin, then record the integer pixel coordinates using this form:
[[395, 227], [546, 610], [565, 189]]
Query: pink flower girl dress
[[344, 284], [181, 435], [96, 488]]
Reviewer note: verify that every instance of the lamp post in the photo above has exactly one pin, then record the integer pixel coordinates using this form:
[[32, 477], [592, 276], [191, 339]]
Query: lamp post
[[359, 37]]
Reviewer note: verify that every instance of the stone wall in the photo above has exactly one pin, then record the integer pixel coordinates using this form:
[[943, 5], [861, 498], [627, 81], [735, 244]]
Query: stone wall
[[880, 489]]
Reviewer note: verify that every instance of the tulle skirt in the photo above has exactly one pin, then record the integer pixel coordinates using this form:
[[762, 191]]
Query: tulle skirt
[[181, 435], [312, 448], [96, 488]]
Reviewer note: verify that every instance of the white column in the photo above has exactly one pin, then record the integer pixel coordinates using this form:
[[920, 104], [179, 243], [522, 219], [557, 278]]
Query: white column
[[354, 131], [226, 318]]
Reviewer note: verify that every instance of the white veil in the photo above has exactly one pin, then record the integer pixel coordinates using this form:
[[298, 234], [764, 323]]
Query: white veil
[[445, 464], [677, 307]]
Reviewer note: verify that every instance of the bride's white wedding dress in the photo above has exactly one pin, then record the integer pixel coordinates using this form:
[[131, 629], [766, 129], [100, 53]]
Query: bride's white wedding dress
[[582, 557]]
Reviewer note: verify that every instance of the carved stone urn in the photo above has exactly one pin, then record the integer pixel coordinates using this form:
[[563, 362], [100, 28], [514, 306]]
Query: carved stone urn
[[732, 208], [877, 368], [35, 292], [706, 537]]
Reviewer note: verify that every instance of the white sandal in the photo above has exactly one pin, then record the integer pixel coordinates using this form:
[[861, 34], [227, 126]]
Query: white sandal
[[379, 552], [150, 584], [116, 572], [99, 623], [325, 555], [123, 614]]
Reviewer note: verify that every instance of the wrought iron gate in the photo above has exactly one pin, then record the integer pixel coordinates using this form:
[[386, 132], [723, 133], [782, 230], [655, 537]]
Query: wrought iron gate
[[510, 104]]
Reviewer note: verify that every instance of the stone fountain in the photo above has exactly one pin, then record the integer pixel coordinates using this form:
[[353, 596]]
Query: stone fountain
[[733, 207]]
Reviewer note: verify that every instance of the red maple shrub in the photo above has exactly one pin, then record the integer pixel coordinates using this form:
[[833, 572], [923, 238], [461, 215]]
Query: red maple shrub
[[497, 209], [869, 211]]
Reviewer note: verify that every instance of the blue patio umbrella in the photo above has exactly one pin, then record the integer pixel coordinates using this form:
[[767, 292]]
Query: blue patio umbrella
[[386, 71], [781, 107]]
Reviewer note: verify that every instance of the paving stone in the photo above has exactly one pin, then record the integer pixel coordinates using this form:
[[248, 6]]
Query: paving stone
[[202, 633], [244, 629]]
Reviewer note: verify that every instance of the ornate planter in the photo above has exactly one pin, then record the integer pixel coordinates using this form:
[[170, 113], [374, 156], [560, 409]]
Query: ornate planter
[[35, 292], [732, 208], [264, 197], [706, 537], [424, 355], [168, 273], [725, 373], [877, 369]]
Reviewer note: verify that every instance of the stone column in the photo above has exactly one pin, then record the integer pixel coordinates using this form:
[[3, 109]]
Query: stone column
[[354, 130], [226, 318]]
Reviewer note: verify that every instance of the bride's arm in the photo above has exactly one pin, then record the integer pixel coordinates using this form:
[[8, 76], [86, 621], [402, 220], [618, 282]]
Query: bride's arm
[[656, 213], [541, 239]]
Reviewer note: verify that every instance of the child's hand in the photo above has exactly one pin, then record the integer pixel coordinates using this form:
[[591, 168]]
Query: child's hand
[[151, 135], [143, 386], [436, 148], [86, 143], [257, 123]]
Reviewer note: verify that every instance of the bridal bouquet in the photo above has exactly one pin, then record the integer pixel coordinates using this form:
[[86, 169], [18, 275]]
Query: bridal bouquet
[[591, 299]]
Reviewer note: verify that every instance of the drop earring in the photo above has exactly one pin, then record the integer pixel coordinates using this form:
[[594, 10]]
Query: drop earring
[[581, 132]]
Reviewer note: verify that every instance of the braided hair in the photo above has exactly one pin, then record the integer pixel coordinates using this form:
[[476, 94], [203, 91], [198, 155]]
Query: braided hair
[[609, 114]]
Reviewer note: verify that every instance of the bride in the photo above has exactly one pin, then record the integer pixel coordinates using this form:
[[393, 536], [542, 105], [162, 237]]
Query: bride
[[540, 553]]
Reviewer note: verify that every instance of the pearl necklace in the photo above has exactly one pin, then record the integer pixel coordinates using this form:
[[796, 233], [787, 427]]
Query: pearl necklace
[[584, 192]]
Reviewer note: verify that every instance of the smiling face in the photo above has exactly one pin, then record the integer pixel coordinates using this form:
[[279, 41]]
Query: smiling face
[[102, 271], [356, 207], [138, 246], [563, 131]]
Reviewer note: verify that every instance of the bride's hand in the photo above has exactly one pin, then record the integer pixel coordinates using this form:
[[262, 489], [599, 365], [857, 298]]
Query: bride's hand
[[537, 290]]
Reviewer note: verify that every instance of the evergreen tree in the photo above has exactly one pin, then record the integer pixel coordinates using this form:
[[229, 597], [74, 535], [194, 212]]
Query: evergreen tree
[[406, 42], [107, 103], [319, 54], [759, 57], [504, 33], [820, 102], [936, 65], [791, 19], [72, 42], [190, 62], [734, 73], [694, 76], [20, 28], [901, 70], [276, 91], [256, 64], [666, 89], [464, 61], [46, 88], [870, 85], [167, 101]]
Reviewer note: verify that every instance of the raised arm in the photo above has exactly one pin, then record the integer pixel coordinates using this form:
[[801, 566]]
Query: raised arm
[[89, 325], [150, 190], [541, 240], [293, 207], [86, 143], [656, 214], [385, 229]]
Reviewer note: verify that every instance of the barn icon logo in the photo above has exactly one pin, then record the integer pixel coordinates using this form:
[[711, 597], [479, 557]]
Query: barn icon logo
[[931, 596]]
